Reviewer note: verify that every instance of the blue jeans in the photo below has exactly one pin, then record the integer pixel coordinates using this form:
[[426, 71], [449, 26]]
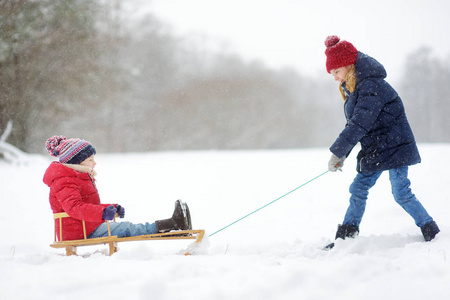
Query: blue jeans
[[400, 183], [123, 229]]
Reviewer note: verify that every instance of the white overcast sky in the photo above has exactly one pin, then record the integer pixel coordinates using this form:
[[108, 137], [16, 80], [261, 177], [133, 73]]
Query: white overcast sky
[[291, 33]]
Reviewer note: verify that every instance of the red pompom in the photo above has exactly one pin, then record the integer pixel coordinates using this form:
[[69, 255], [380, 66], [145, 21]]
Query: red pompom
[[52, 143], [331, 40]]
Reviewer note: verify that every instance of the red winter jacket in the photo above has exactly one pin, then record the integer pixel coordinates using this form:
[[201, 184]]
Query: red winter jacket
[[73, 190]]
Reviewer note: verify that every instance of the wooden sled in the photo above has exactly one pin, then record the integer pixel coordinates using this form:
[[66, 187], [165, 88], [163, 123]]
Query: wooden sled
[[112, 240]]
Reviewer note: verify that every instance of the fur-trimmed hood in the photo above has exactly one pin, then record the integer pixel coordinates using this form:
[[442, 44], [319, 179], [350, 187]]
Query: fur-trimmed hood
[[57, 170], [82, 169]]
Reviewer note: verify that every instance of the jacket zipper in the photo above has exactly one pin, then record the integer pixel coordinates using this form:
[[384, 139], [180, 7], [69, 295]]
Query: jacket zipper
[[93, 182]]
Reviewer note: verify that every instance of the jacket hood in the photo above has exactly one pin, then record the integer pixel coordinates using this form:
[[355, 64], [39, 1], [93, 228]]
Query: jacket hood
[[368, 67], [57, 170]]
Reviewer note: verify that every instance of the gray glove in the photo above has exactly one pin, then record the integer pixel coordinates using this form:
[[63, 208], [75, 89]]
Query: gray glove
[[336, 163]]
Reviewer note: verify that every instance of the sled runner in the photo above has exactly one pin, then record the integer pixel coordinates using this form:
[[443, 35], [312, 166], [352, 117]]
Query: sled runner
[[112, 240]]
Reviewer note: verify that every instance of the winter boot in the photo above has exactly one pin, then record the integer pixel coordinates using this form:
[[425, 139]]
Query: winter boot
[[346, 231], [342, 232], [188, 216], [429, 231], [181, 219]]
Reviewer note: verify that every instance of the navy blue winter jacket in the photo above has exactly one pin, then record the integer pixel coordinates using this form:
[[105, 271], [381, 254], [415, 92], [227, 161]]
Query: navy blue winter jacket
[[376, 118]]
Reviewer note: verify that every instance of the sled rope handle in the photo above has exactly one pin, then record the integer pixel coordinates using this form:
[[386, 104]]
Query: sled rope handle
[[269, 203]]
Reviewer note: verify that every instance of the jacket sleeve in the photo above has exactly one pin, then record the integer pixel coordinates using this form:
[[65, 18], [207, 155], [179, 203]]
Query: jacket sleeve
[[68, 194], [368, 107]]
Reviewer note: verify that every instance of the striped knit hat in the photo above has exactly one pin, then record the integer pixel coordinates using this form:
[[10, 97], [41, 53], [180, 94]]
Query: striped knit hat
[[69, 151]]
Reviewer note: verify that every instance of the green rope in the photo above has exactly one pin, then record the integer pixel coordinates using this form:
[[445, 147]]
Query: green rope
[[269, 203]]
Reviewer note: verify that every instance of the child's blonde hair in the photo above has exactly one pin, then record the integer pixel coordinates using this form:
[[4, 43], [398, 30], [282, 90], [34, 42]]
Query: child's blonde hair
[[350, 82]]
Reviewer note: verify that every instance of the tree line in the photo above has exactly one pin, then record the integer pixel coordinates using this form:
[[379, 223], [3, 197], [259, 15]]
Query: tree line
[[77, 68]]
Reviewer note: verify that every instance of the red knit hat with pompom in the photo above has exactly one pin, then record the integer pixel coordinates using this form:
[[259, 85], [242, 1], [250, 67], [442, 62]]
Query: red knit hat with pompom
[[339, 53]]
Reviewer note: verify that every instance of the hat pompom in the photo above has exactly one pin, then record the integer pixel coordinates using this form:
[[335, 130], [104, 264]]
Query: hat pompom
[[52, 143], [331, 40]]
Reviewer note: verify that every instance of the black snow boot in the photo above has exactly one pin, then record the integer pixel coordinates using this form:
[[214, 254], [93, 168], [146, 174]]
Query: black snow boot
[[429, 231], [181, 219], [346, 231], [343, 232]]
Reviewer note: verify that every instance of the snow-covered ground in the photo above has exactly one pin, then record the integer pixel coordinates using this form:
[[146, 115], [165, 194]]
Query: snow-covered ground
[[273, 254]]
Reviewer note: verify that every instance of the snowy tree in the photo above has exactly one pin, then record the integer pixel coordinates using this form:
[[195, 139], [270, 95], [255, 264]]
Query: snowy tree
[[426, 94], [49, 54]]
